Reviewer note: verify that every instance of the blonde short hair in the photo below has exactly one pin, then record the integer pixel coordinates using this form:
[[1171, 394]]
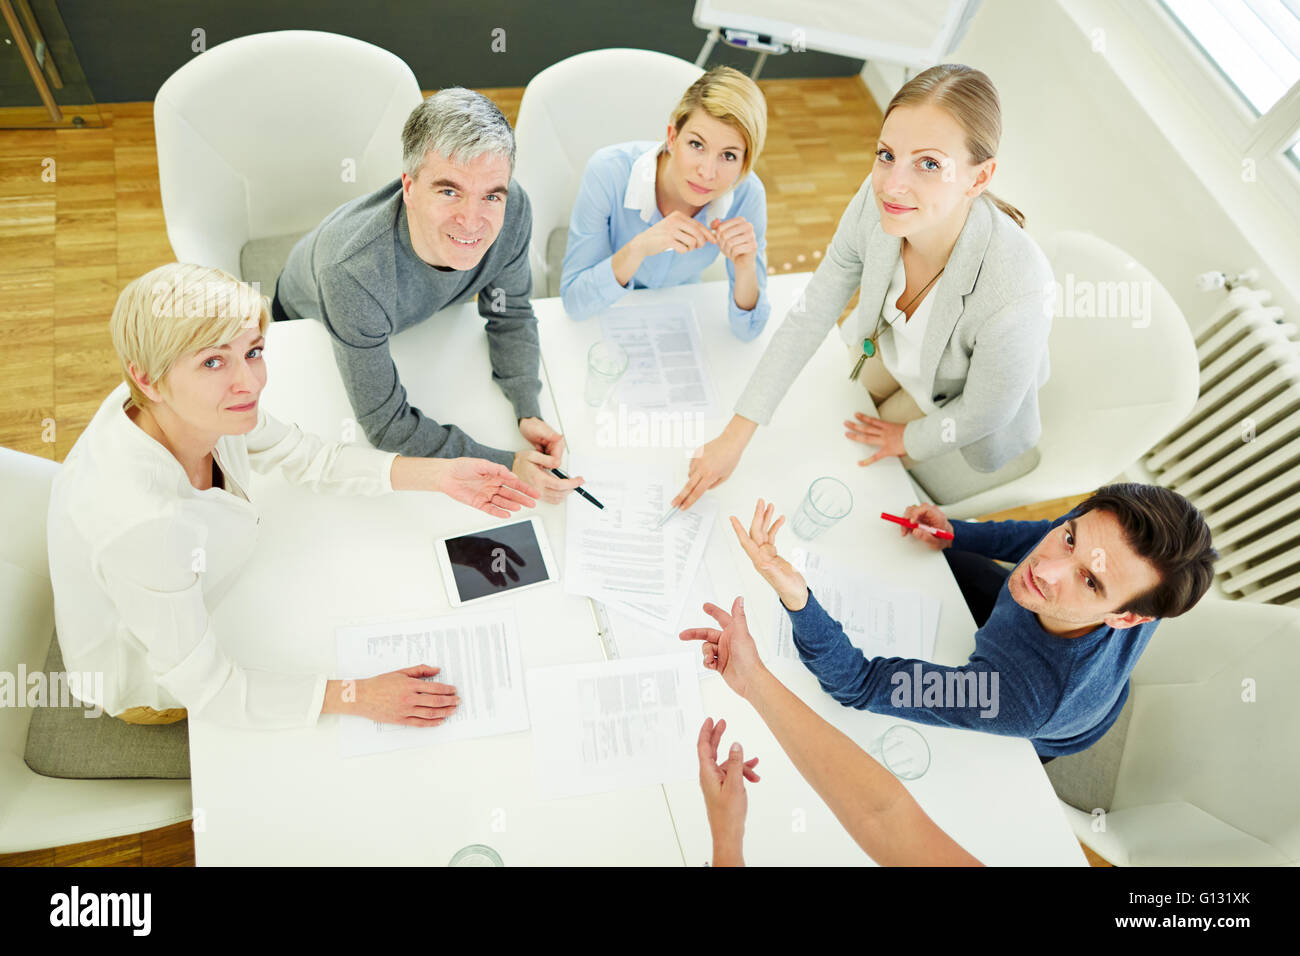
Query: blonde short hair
[[177, 310], [732, 97]]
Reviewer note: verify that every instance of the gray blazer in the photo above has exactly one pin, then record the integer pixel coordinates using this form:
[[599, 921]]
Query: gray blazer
[[995, 292]]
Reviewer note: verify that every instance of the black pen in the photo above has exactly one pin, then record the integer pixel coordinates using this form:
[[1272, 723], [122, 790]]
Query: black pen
[[563, 477]]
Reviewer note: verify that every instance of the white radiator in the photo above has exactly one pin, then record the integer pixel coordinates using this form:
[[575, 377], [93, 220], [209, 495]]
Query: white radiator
[[1237, 456]]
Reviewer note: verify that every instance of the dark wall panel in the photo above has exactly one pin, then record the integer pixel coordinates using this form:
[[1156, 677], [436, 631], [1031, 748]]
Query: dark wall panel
[[129, 47]]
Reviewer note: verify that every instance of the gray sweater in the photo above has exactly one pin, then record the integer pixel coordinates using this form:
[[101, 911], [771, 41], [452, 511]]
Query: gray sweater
[[358, 273]]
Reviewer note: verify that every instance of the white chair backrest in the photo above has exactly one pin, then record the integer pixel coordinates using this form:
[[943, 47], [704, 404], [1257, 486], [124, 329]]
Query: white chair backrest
[[26, 600], [1216, 720], [266, 134], [1118, 338], [576, 106]]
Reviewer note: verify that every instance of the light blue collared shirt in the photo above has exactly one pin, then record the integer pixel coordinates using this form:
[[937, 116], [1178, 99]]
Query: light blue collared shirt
[[616, 202]]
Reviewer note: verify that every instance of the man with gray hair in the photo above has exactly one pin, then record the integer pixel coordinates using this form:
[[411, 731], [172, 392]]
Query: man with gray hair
[[454, 225]]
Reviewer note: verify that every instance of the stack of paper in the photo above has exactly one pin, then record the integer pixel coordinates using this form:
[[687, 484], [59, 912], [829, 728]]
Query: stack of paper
[[477, 653], [879, 620], [614, 724], [619, 557], [666, 370]]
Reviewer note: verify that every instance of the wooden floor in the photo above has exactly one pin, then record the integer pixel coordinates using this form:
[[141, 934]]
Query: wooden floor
[[81, 216]]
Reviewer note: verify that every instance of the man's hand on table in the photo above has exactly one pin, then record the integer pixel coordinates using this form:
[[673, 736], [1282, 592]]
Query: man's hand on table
[[398, 697], [760, 545], [725, 799], [534, 466]]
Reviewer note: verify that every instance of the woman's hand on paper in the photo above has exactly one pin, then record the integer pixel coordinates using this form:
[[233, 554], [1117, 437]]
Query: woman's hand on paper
[[398, 697], [714, 462], [759, 543], [725, 798], [888, 436]]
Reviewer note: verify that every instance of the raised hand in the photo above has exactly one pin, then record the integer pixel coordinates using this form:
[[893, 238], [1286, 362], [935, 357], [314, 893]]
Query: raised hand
[[759, 543], [730, 651]]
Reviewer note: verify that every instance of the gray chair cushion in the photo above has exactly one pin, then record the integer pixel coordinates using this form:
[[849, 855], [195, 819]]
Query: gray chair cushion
[[1086, 780], [555, 245], [64, 742], [262, 260]]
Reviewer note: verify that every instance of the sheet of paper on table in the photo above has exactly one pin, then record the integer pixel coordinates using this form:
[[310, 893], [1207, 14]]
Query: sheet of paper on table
[[614, 725], [879, 620], [478, 654], [630, 636], [666, 368], [618, 556]]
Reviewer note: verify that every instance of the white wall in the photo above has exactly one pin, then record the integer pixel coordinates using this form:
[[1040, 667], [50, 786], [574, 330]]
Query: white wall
[[1079, 152]]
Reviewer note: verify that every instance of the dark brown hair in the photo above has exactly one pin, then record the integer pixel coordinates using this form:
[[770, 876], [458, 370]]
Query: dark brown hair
[[1167, 531]]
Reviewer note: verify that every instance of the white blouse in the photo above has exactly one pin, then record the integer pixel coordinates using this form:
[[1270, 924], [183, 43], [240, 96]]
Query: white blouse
[[138, 555], [901, 340]]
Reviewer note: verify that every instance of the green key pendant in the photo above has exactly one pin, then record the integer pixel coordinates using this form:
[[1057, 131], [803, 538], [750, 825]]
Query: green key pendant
[[868, 350]]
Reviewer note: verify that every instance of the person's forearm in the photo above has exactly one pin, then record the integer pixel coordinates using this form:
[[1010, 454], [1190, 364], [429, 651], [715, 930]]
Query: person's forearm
[[727, 851], [871, 804], [745, 292], [334, 702], [417, 474], [740, 428], [627, 260]]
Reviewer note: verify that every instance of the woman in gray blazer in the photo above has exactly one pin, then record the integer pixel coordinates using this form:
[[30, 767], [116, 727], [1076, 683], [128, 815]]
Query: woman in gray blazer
[[950, 333]]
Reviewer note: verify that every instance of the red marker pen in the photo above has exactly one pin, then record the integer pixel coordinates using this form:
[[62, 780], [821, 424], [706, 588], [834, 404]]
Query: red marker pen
[[908, 523]]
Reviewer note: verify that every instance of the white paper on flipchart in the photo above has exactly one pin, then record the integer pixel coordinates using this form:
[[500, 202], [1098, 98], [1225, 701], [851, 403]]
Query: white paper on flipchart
[[614, 725], [667, 371], [477, 653], [879, 620]]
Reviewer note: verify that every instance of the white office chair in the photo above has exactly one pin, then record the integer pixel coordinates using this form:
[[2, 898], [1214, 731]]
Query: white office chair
[[1117, 385], [570, 110], [1205, 772], [36, 811], [262, 136]]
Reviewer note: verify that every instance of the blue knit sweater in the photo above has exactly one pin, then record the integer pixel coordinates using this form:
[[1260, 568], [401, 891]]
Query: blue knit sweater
[[1061, 693]]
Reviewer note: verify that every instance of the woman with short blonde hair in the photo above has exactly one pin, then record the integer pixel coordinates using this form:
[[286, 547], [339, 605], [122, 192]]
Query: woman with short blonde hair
[[162, 474], [650, 215]]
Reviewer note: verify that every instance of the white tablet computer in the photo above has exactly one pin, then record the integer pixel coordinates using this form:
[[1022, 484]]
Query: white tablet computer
[[499, 560]]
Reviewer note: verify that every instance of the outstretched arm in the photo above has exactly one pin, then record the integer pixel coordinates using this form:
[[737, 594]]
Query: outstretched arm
[[876, 809]]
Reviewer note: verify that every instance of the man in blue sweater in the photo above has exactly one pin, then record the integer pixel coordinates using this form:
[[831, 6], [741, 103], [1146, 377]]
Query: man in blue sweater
[[1058, 635]]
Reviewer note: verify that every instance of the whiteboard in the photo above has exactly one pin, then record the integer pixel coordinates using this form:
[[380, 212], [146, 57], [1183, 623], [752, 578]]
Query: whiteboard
[[915, 33]]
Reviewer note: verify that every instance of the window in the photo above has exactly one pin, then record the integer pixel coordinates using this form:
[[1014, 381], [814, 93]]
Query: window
[[1254, 43]]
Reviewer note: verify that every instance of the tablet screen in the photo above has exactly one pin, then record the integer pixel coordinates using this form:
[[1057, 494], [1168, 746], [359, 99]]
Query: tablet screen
[[496, 560]]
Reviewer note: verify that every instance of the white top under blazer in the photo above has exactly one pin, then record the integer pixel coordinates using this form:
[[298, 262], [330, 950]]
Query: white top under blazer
[[902, 339], [138, 555]]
